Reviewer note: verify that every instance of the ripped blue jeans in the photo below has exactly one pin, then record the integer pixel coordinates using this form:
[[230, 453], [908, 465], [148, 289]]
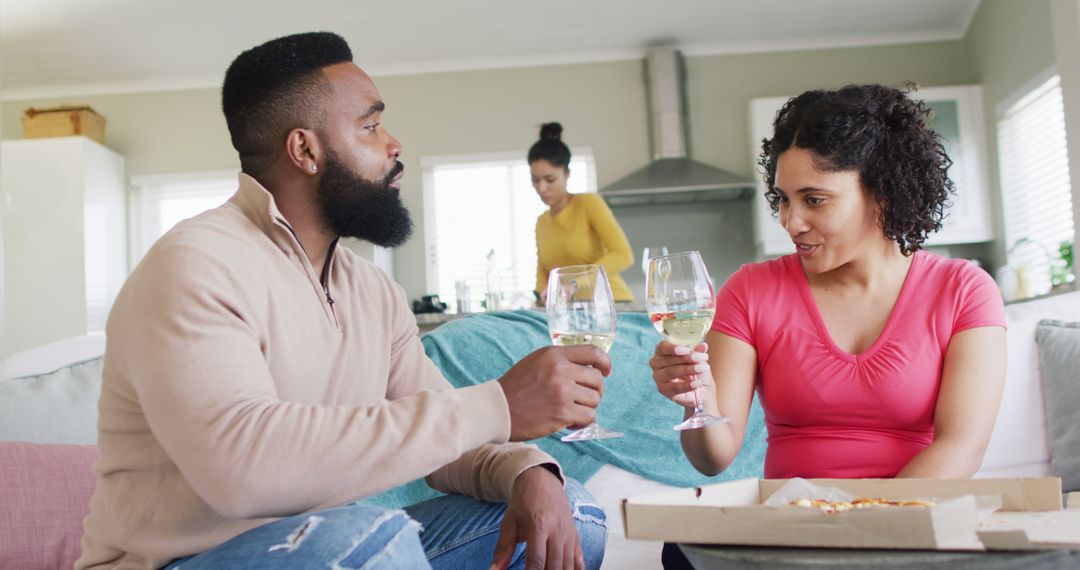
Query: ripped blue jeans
[[448, 532]]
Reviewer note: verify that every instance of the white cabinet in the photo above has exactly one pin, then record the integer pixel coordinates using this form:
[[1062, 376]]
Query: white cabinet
[[64, 228], [769, 237], [958, 118]]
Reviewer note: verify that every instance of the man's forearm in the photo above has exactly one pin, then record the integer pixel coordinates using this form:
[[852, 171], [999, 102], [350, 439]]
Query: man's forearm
[[490, 472]]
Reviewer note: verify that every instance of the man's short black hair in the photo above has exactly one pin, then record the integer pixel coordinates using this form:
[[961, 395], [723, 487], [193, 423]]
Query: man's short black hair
[[275, 87]]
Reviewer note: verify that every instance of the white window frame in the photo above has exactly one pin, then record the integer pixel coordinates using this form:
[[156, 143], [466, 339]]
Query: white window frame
[[428, 164], [1009, 237], [147, 191]]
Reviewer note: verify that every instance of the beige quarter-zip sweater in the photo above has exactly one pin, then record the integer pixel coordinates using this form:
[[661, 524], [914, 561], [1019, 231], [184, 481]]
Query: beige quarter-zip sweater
[[235, 392]]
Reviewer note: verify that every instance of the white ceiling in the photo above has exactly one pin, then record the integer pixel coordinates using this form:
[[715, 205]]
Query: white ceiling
[[84, 47]]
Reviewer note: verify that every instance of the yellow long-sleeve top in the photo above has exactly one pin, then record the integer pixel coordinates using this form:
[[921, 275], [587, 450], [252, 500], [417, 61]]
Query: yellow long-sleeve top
[[583, 232]]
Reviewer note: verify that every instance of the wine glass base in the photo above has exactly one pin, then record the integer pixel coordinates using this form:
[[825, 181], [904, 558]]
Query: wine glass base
[[592, 431], [698, 421]]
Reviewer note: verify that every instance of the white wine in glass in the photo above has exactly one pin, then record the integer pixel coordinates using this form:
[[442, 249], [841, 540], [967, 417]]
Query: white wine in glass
[[599, 340], [681, 304], [581, 310]]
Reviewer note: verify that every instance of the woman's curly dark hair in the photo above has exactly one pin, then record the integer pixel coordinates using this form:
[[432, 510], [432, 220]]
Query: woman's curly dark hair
[[883, 135]]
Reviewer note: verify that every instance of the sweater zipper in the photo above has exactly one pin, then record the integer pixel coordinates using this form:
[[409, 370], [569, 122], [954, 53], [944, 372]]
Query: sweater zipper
[[324, 281]]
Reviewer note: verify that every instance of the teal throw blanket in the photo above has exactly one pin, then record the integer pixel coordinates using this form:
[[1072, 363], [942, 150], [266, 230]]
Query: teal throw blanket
[[483, 347]]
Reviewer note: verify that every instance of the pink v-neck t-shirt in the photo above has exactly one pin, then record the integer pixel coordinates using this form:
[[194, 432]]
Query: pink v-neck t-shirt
[[834, 414]]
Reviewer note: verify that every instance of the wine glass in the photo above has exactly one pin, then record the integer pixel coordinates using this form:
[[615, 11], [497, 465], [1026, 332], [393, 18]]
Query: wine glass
[[651, 251], [581, 310], [680, 301]]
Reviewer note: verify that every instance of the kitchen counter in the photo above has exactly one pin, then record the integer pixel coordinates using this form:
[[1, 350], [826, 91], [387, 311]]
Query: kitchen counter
[[431, 321]]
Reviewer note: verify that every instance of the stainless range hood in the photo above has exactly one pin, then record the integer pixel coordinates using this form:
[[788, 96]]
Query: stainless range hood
[[672, 176]]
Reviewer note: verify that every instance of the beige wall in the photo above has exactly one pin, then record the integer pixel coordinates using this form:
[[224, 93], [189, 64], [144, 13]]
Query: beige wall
[[172, 131], [1009, 43], [721, 87], [602, 105], [719, 91]]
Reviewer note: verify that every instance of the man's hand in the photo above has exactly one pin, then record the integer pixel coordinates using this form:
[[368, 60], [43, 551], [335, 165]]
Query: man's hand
[[554, 388], [539, 514]]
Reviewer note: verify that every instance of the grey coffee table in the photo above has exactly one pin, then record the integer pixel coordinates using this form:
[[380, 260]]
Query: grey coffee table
[[714, 557]]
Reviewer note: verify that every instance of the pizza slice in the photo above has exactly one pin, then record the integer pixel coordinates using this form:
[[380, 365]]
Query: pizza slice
[[858, 503]]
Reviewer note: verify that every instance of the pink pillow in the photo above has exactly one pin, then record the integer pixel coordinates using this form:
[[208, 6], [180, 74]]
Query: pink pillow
[[44, 495]]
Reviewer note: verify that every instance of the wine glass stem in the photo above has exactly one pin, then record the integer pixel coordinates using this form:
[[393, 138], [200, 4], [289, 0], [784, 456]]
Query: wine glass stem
[[698, 408]]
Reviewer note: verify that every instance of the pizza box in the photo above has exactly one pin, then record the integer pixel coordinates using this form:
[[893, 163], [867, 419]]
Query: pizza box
[[1030, 517]]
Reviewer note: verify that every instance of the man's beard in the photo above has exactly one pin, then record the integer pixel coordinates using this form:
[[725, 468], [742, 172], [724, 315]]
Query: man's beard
[[361, 208]]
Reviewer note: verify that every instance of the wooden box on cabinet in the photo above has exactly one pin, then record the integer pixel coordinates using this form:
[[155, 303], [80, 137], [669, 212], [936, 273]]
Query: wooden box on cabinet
[[63, 122]]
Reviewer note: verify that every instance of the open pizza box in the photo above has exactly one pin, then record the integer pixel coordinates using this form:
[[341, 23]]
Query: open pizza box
[[1030, 516]]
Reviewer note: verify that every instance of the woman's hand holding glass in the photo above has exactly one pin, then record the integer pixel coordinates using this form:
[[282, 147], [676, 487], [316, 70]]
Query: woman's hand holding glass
[[680, 301], [673, 364]]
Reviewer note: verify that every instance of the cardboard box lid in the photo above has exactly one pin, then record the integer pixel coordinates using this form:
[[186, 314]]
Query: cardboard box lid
[[1033, 531], [731, 513], [1017, 494]]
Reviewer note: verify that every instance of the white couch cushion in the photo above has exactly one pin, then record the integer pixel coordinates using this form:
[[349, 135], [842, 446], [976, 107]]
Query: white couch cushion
[[53, 356], [49, 394], [1019, 446]]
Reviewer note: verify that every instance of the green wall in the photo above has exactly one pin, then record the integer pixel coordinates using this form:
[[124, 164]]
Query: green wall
[[1008, 44]]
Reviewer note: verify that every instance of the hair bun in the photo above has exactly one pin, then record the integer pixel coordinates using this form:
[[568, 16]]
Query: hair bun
[[551, 131]]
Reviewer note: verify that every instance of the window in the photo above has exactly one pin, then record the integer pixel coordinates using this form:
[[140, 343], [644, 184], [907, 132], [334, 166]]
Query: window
[[476, 204], [160, 201], [1035, 187]]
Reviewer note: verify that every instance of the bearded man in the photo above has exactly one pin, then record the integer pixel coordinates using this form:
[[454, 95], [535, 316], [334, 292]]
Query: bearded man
[[258, 379]]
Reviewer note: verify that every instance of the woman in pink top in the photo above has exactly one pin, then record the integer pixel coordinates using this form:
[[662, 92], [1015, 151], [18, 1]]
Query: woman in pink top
[[871, 357]]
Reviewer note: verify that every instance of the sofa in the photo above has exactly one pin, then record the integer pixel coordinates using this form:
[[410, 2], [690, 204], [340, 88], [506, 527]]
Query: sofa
[[48, 410]]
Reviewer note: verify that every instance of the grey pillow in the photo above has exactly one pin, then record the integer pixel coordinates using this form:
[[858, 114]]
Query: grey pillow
[[1059, 365]]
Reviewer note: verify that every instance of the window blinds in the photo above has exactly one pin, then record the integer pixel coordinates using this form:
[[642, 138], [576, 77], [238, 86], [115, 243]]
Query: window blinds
[[1036, 194], [491, 205]]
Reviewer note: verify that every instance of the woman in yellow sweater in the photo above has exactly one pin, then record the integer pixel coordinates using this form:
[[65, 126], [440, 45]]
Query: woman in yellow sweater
[[577, 228]]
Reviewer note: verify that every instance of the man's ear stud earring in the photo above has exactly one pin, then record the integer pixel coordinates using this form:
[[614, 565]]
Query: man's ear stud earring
[[314, 168]]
